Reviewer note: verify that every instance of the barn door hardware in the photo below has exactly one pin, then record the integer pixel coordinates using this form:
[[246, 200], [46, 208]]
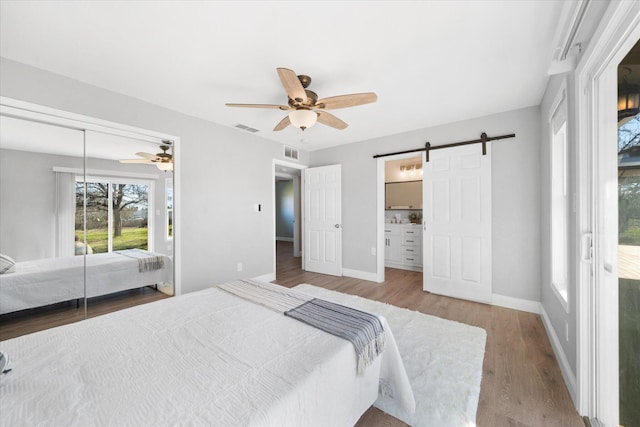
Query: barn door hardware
[[428, 147]]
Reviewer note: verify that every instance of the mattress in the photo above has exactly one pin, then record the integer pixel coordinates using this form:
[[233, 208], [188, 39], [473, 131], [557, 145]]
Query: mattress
[[201, 359], [47, 281]]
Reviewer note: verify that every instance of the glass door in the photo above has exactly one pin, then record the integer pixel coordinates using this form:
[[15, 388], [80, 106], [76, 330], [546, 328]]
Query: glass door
[[629, 236]]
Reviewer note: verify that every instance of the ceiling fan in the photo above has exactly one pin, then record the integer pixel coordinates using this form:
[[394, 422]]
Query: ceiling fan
[[305, 107], [164, 160]]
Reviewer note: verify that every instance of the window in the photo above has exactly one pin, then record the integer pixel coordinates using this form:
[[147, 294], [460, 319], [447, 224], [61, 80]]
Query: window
[[559, 200], [117, 214], [169, 205]]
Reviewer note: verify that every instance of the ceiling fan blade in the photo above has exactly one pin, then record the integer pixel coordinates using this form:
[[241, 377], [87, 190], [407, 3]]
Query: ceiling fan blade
[[283, 123], [331, 120], [344, 101], [280, 107], [292, 85], [149, 156], [136, 161]]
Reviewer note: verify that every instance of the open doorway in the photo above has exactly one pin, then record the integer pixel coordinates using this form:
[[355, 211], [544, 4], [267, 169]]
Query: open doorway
[[287, 202], [400, 213]]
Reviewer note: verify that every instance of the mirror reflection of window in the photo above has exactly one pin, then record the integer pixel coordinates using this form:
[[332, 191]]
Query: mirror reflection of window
[[117, 215], [169, 204]]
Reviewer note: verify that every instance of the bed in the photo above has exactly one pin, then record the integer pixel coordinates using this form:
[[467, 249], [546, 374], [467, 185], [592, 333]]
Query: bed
[[202, 359], [47, 281]]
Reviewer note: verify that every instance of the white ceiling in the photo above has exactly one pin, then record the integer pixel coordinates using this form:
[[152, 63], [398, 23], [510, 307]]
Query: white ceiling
[[429, 62]]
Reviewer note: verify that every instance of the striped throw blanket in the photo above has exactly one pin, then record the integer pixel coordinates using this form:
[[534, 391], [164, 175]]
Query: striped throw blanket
[[147, 261], [363, 330]]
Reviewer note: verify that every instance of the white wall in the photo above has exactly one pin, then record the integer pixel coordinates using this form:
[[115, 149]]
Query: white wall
[[515, 188], [224, 172], [554, 310]]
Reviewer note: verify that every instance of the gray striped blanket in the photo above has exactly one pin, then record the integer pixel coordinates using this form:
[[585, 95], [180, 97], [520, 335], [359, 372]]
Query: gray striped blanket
[[363, 330], [147, 261]]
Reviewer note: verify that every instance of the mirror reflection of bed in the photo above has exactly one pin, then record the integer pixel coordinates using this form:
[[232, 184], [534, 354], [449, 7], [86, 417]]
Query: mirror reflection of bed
[[88, 234]]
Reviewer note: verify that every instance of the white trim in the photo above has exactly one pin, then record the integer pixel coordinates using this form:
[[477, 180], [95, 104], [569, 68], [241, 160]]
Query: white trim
[[105, 172], [521, 304], [380, 214], [298, 166], [380, 210], [20, 109], [25, 110], [358, 274], [563, 362], [562, 299], [269, 277]]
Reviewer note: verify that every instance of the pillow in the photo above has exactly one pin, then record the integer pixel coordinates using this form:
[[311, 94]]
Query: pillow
[[7, 264]]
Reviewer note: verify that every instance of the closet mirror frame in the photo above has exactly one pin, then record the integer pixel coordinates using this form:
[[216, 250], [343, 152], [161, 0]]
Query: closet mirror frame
[[22, 110]]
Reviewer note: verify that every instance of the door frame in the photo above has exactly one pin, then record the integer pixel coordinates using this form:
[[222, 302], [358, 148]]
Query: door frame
[[301, 168], [597, 304], [380, 210]]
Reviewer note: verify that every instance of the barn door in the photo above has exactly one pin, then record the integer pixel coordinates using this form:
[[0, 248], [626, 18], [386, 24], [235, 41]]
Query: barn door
[[457, 223]]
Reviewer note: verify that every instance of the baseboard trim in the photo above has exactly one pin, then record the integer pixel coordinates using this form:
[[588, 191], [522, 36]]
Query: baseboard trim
[[269, 277], [284, 239], [565, 367], [516, 303], [357, 274]]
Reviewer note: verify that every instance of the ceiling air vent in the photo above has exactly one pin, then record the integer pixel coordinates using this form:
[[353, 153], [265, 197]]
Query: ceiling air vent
[[247, 128], [290, 153]]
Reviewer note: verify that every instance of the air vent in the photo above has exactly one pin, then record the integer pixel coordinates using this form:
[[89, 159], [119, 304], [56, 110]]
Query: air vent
[[247, 128], [290, 153]]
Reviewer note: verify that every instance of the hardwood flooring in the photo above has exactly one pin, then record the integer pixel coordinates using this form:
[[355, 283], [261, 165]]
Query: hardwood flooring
[[521, 381], [27, 321]]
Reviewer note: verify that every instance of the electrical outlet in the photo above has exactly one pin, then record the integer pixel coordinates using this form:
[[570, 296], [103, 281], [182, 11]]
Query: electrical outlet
[[239, 266]]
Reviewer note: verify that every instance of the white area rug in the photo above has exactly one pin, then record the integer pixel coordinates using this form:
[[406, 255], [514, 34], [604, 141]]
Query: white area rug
[[442, 358]]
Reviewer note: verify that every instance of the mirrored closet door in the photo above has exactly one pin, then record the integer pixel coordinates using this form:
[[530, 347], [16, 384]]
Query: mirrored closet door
[[86, 223]]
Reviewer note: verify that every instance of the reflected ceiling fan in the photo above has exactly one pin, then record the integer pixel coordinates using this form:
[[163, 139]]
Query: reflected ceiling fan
[[305, 107], [164, 160]]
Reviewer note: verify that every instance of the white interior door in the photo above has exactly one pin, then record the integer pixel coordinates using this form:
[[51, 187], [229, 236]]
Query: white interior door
[[323, 219], [457, 223]]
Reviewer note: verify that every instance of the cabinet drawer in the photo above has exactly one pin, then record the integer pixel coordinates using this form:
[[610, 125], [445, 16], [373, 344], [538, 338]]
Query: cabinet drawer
[[411, 251], [412, 259], [412, 231], [391, 231], [411, 241]]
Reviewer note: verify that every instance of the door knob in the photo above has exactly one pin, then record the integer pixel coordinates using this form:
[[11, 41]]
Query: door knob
[[337, 226]]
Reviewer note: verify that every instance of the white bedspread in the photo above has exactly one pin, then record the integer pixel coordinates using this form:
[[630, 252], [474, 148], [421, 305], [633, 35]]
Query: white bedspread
[[48, 281], [207, 358]]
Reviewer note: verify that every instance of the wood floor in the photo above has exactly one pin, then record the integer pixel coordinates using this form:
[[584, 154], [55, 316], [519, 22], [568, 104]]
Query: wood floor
[[521, 380], [27, 321]]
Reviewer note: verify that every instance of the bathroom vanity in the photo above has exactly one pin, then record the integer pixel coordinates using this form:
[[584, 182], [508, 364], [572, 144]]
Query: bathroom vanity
[[403, 246]]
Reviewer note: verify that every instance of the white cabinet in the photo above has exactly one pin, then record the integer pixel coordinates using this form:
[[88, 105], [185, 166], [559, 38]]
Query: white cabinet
[[403, 246], [393, 243]]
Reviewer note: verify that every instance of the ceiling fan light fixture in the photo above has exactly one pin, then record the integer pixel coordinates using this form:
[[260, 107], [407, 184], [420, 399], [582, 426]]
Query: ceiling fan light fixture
[[165, 166], [303, 118]]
